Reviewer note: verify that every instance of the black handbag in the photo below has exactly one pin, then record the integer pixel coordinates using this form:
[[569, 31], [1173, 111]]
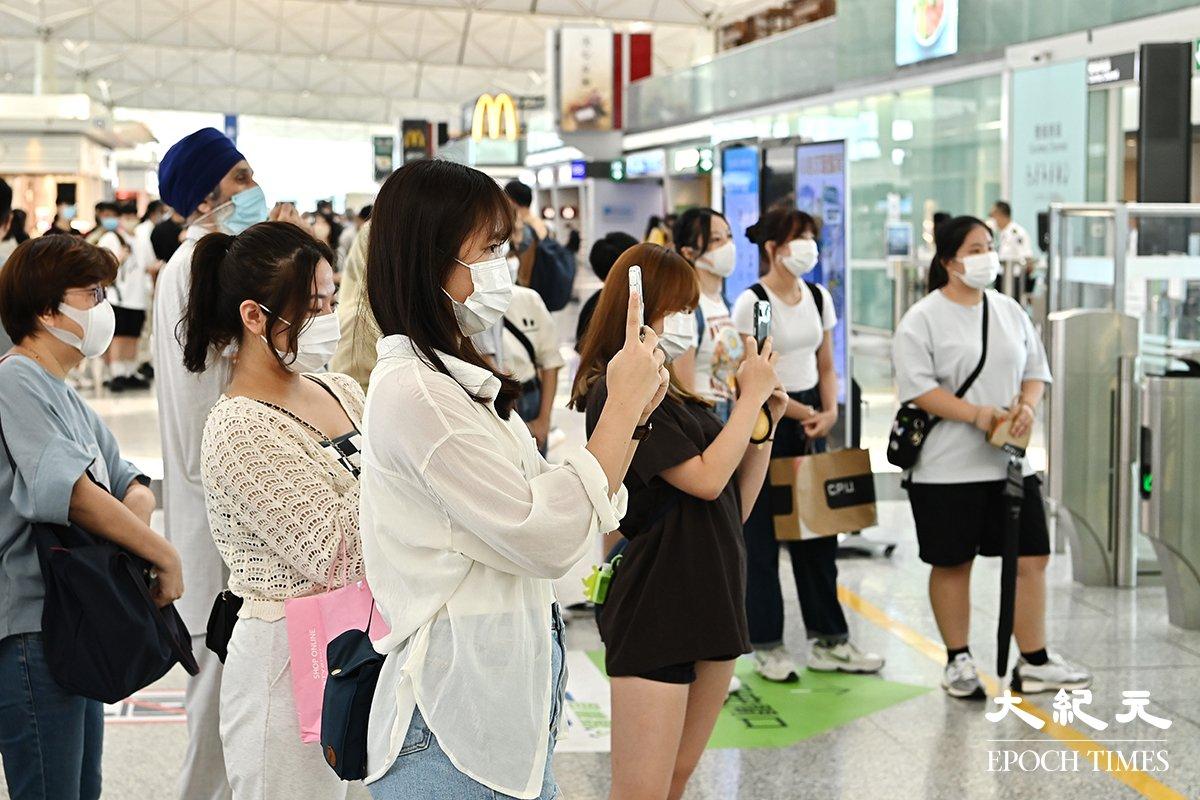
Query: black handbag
[[221, 620], [354, 667], [104, 637], [912, 424]]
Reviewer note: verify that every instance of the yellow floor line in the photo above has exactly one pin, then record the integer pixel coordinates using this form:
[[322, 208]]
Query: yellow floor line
[[1077, 740]]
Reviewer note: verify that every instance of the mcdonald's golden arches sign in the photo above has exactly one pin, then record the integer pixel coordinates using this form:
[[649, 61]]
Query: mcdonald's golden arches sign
[[494, 118]]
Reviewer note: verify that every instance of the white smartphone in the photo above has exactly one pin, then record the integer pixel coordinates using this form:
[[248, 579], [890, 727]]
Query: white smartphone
[[635, 287]]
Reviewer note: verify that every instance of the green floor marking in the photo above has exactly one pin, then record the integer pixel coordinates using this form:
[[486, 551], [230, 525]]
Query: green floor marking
[[767, 714]]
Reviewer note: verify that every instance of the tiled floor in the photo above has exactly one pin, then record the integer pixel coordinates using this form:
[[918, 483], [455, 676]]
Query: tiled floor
[[927, 747]]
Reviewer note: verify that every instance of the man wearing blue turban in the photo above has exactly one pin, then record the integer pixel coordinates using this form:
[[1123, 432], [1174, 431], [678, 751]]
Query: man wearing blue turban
[[210, 183]]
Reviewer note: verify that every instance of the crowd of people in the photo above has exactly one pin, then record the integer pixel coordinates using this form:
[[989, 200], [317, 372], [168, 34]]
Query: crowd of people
[[417, 462], [143, 243]]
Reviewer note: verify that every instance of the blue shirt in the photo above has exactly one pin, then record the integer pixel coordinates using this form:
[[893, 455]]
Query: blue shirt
[[53, 437]]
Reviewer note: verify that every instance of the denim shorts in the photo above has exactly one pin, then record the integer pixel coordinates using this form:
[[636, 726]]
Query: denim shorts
[[423, 770]]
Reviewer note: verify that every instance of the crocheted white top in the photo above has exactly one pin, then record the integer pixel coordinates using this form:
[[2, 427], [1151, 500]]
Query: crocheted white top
[[283, 509]]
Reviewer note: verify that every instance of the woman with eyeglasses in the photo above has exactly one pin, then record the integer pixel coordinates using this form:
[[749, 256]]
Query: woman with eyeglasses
[[61, 464], [280, 463]]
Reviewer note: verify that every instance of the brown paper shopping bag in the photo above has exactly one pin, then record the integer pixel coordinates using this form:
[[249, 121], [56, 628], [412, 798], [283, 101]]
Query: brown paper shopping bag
[[822, 495]]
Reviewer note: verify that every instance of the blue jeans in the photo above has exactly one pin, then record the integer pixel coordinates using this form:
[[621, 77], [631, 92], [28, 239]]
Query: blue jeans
[[50, 739], [423, 771]]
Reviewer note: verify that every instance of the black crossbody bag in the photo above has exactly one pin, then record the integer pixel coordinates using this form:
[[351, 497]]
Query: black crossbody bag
[[912, 424], [104, 636]]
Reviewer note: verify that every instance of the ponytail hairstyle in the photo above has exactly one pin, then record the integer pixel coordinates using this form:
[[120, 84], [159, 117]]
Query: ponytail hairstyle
[[779, 226], [424, 214], [272, 263], [948, 239], [694, 229]]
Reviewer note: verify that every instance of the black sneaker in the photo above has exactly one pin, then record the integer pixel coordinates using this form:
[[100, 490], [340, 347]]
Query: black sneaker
[[116, 385], [146, 371], [135, 382]]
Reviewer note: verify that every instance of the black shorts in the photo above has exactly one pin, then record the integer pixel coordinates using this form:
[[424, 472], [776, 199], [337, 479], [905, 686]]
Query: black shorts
[[684, 673], [130, 321], [958, 521]]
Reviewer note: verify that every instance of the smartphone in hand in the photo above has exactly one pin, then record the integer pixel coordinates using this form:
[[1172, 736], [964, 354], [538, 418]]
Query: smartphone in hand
[[762, 322], [635, 287]]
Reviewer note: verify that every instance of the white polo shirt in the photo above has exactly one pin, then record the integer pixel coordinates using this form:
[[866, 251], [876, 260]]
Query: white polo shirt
[[1014, 243]]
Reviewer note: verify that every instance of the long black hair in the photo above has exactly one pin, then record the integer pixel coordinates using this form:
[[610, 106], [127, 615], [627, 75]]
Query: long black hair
[[271, 263], [694, 229], [948, 239], [425, 212]]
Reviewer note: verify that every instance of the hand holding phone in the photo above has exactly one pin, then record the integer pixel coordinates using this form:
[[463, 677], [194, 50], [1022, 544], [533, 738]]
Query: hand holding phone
[[762, 322], [635, 288]]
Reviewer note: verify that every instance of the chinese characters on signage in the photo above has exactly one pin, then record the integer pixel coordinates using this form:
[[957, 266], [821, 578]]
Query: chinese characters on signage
[[585, 72], [1049, 138]]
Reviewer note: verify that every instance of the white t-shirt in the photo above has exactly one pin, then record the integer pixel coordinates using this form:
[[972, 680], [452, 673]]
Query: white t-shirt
[[1014, 243], [719, 350], [938, 343], [130, 289], [184, 400], [528, 312], [796, 333]]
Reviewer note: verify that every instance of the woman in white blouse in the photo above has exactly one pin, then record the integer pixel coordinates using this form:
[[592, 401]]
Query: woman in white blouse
[[464, 525], [280, 461]]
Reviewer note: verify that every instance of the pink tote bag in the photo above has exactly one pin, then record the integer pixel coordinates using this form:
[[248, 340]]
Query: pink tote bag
[[313, 622]]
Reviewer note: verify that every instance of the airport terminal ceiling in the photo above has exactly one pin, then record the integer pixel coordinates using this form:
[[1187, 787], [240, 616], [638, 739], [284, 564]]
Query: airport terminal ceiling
[[364, 60]]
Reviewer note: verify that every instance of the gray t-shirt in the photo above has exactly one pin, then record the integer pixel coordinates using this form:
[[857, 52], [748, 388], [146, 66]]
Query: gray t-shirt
[[54, 437], [938, 343]]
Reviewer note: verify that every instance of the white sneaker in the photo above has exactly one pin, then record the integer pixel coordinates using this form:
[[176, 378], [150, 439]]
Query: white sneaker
[[959, 679], [735, 685], [776, 665], [1055, 674], [842, 657]]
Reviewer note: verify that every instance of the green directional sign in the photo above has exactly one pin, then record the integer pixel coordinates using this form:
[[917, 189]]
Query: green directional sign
[[766, 714]]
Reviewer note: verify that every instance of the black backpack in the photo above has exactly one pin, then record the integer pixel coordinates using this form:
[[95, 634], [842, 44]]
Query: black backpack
[[553, 274], [818, 296]]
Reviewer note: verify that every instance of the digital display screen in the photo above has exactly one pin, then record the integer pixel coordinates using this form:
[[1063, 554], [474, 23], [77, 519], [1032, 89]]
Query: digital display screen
[[925, 29], [739, 192]]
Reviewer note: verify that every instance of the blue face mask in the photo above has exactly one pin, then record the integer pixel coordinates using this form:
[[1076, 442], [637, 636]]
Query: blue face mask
[[249, 208], [68, 212], [109, 223]]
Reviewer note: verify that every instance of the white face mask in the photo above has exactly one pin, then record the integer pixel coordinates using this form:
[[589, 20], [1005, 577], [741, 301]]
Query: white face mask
[[801, 256], [98, 324], [678, 336], [719, 261], [488, 301], [980, 270], [315, 345]]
